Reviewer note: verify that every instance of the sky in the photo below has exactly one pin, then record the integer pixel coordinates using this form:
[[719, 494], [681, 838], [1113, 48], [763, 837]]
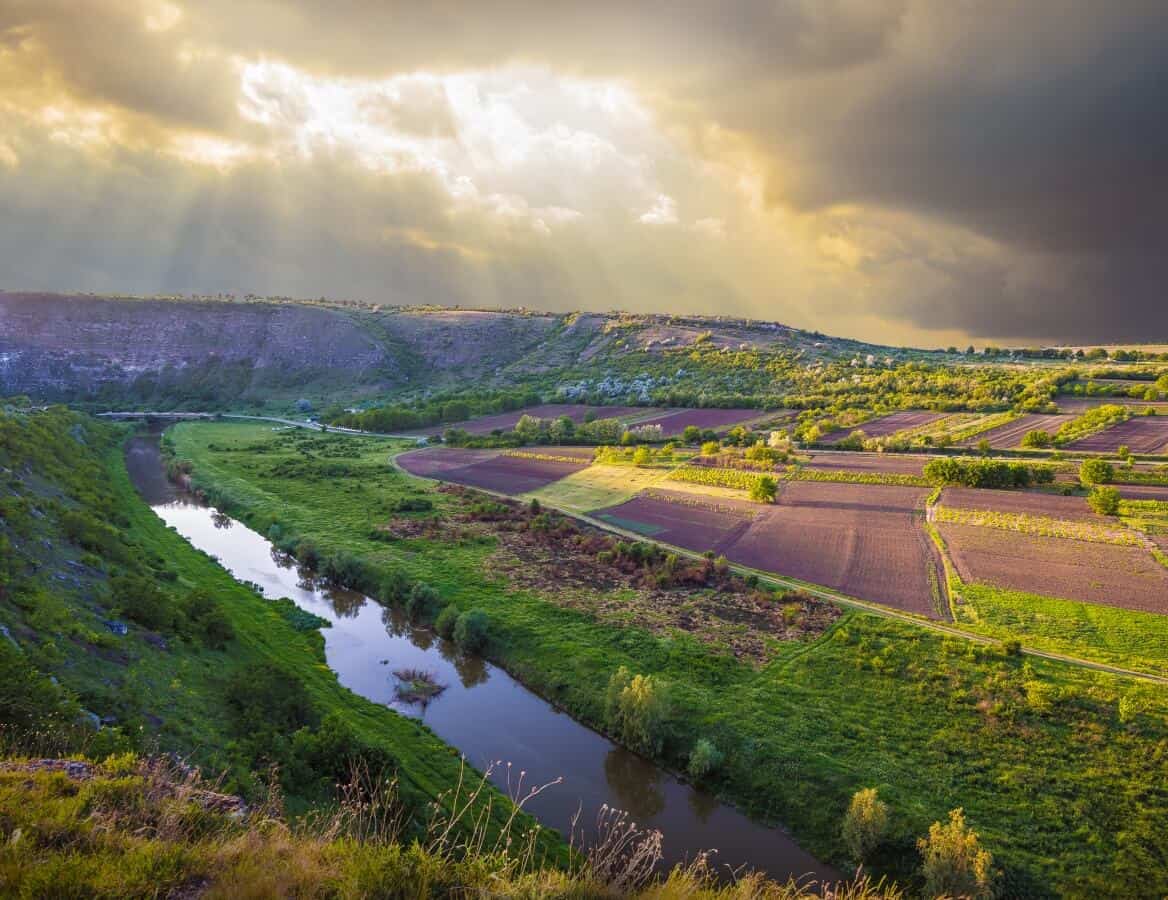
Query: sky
[[925, 172]]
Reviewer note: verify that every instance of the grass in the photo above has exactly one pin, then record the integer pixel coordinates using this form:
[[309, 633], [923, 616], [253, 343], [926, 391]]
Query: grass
[[1108, 634], [130, 827], [934, 722]]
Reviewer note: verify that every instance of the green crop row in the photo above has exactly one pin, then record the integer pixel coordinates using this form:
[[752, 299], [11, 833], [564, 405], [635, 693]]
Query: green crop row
[[1042, 526], [728, 478]]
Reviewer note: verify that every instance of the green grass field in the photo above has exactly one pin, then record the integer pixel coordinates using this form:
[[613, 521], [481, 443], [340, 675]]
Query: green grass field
[[1107, 634], [1057, 766], [598, 486]]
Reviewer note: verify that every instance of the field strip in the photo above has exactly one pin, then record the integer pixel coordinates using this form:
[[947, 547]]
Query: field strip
[[843, 599]]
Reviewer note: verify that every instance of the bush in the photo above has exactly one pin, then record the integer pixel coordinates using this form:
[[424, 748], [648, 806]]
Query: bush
[[1096, 471], [444, 624], [692, 434], [1037, 439], [395, 587], [205, 620], [421, 601], [954, 863], [865, 823], [704, 759], [140, 601], [711, 448], [764, 490], [1104, 500], [470, 630]]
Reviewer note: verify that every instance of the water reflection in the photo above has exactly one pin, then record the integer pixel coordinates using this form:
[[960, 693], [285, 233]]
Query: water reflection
[[637, 783]]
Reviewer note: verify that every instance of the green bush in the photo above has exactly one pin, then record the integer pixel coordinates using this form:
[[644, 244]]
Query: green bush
[[444, 624], [421, 601], [470, 630], [704, 759], [1096, 471], [1104, 500], [138, 600]]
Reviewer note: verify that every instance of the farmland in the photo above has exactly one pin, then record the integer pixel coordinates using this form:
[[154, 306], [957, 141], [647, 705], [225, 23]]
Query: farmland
[[935, 720], [1009, 435], [1021, 502], [675, 422], [883, 426], [1141, 434], [866, 462], [496, 472], [1127, 577]]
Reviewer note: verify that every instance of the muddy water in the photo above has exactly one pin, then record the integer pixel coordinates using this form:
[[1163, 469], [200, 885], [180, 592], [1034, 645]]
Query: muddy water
[[483, 712]]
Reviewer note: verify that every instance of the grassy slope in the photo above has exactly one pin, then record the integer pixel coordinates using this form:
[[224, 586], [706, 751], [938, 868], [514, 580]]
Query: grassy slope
[[1027, 748], [185, 684]]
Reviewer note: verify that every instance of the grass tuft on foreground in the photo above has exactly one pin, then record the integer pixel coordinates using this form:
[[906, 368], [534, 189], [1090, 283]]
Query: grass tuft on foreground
[[1060, 769], [142, 827]]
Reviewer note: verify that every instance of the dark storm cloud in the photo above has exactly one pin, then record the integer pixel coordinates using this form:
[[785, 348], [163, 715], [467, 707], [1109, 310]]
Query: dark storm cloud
[[1032, 135]]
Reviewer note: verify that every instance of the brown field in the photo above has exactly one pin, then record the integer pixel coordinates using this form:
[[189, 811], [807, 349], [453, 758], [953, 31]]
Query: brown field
[[1143, 434], [1142, 492], [506, 421], [1031, 503], [1009, 436], [1078, 405], [843, 461], [506, 474], [683, 519], [1127, 577], [863, 540], [882, 426], [675, 422]]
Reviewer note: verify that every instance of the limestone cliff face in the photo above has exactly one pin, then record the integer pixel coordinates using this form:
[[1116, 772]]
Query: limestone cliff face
[[55, 346]]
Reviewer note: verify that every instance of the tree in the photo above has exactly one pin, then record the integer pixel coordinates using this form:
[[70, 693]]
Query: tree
[[636, 707], [764, 490], [692, 434], [1096, 471], [528, 427], [865, 823], [561, 429], [1104, 500], [642, 456], [953, 861], [711, 448], [1037, 438]]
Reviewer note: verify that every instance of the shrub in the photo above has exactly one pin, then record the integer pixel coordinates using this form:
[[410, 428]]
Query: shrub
[[711, 448], [764, 490], [140, 601], [954, 863], [692, 434], [636, 707], [205, 620], [470, 630], [1104, 500], [444, 624], [1037, 439], [1096, 471], [865, 823], [643, 456], [704, 758], [421, 601], [395, 587]]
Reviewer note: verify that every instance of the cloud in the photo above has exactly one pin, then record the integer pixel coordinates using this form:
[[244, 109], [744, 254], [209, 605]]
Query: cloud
[[917, 169], [663, 212]]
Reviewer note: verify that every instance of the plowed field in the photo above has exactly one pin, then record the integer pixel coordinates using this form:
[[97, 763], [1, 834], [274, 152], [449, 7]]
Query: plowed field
[[885, 425], [1127, 577], [1143, 434], [1009, 436], [1053, 506], [506, 474]]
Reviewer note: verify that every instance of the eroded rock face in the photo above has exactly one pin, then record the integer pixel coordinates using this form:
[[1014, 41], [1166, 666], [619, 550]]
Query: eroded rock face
[[54, 346]]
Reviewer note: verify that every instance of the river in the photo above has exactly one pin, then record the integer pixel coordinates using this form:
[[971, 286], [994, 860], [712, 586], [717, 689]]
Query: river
[[486, 714]]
